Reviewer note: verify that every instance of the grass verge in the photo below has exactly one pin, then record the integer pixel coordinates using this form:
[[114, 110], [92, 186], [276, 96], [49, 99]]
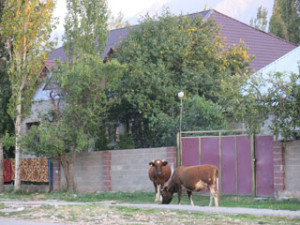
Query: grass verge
[[148, 197]]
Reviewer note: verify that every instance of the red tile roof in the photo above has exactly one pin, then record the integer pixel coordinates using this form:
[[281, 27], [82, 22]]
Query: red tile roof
[[265, 47]]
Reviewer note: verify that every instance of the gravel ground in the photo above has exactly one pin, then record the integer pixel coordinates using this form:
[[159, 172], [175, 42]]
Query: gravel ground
[[202, 209], [51, 212]]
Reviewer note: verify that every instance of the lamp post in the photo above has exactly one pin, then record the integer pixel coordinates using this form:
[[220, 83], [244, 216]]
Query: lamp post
[[180, 96]]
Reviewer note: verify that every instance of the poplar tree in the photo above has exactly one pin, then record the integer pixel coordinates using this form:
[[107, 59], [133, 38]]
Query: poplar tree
[[6, 125], [260, 22], [285, 20], [85, 85], [25, 29]]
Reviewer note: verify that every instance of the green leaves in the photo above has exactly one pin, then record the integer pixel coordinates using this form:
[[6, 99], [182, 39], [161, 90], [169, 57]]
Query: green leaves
[[285, 20], [164, 55], [25, 28]]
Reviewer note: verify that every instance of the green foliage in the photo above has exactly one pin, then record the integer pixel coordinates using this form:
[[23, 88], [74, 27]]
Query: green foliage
[[6, 123], [260, 22], [285, 20], [85, 28], [8, 140], [276, 96], [202, 114], [164, 55], [26, 29], [283, 98], [125, 142], [76, 126], [117, 22], [242, 105], [198, 114]]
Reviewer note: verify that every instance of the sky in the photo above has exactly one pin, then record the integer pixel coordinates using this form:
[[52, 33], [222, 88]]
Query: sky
[[133, 10]]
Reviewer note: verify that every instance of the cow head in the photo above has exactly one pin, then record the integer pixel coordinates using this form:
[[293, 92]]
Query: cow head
[[158, 165], [167, 195]]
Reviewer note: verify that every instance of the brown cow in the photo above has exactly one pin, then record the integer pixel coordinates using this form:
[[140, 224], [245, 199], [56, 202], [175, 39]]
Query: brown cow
[[193, 178], [159, 173]]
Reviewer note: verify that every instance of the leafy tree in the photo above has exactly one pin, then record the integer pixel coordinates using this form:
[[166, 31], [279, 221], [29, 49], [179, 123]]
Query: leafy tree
[[280, 94], [166, 54], [260, 22], [242, 104], [6, 124], [25, 28], [198, 114], [85, 82], [117, 22], [285, 20]]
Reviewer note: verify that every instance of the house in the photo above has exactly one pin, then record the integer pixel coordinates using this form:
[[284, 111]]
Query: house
[[265, 47]]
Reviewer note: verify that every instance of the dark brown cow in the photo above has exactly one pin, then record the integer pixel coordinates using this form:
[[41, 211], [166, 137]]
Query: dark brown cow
[[159, 173], [193, 178]]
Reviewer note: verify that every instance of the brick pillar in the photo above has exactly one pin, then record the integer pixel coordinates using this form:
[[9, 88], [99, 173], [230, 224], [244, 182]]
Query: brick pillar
[[106, 171], [55, 176], [279, 167]]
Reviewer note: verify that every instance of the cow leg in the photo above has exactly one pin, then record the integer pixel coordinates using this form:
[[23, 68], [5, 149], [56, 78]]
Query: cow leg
[[190, 197], [158, 195], [157, 192], [179, 194], [214, 194], [162, 185]]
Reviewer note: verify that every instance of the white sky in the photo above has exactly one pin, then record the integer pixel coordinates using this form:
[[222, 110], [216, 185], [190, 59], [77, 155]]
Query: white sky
[[243, 10]]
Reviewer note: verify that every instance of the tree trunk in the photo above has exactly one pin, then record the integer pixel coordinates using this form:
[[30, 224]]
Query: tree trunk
[[67, 162], [1, 167], [18, 152]]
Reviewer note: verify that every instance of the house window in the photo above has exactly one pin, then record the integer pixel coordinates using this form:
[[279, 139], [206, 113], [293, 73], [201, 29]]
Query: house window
[[29, 125]]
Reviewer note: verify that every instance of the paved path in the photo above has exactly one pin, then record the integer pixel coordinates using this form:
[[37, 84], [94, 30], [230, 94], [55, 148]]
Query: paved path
[[219, 210], [7, 221]]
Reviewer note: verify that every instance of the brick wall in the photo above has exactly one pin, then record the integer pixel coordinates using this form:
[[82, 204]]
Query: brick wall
[[286, 169], [117, 170], [279, 167]]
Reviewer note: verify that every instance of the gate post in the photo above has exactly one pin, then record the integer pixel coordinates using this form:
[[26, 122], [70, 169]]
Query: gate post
[[253, 163], [179, 149]]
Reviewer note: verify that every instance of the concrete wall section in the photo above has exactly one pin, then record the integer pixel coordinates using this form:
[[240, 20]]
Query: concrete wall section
[[292, 167], [129, 168], [87, 172], [117, 170]]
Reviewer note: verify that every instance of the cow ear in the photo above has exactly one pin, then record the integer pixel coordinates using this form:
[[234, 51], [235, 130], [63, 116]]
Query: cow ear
[[164, 163], [165, 188], [151, 164]]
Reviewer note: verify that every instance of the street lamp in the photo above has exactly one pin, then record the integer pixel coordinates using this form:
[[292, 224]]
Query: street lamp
[[180, 96]]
